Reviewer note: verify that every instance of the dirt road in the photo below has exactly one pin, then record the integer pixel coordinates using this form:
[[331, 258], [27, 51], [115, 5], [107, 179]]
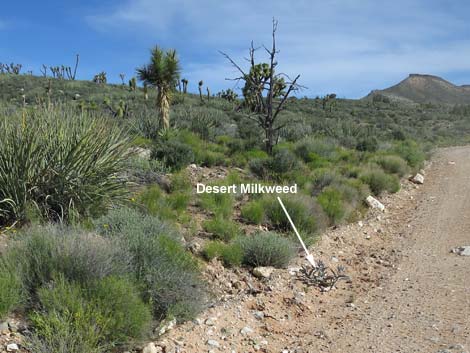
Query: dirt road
[[407, 292], [425, 305]]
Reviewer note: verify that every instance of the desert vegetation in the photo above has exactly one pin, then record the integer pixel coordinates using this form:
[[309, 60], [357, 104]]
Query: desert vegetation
[[97, 197]]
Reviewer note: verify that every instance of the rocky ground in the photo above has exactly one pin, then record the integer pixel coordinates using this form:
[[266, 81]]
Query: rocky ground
[[405, 291]]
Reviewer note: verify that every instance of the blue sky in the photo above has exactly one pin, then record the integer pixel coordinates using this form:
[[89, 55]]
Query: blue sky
[[344, 46]]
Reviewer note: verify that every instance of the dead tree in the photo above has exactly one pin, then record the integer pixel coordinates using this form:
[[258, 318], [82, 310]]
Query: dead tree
[[268, 90]]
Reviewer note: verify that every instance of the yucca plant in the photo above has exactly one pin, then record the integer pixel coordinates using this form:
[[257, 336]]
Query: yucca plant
[[62, 163], [163, 73]]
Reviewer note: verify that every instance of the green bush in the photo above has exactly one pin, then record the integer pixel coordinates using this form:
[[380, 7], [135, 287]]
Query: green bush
[[379, 181], [63, 162], [72, 317], [283, 161], [221, 205], [312, 147], [304, 211], [332, 203], [169, 275], [411, 152], [393, 165], [266, 249], [44, 251], [166, 206], [11, 288], [230, 254], [253, 212], [322, 178], [173, 153], [221, 228], [368, 144], [261, 167]]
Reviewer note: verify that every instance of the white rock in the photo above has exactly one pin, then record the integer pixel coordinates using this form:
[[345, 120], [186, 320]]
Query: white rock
[[246, 330], [12, 347], [213, 343], [167, 326], [263, 272], [374, 203], [418, 179], [462, 250], [210, 321], [150, 348]]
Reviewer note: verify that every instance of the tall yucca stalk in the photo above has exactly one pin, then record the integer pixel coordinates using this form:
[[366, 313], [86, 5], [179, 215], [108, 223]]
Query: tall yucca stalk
[[163, 73], [63, 163]]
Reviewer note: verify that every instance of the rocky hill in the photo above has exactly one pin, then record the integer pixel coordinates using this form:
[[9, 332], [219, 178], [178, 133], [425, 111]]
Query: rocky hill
[[419, 88]]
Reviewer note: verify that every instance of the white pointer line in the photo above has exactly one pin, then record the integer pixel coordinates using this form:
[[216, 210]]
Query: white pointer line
[[309, 256]]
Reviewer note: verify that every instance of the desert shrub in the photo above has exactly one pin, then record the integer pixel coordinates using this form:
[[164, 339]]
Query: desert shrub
[[332, 203], [283, 161], [43, 251], [145, 171], [230, 254], [253, 212], [266, 249], [311, 147], [316, 161], [219, 204], [124, 220], [107, 314], [304, 211], [11, 288], [63, 162], [255, 154], [221, 228], [411, 152], [322, 178], [173, 153], [261, 167], [169, 275], [392, 164], [166, 206], [368, 144], [380, 181]]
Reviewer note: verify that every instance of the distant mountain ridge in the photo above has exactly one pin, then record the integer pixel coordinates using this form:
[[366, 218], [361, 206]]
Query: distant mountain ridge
[[420, 88]]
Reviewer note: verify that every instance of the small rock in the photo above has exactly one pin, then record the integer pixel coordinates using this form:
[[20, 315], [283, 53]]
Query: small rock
[[418, 179], [166, 326], [12, 347], [374, 203], [462, 250], [263, 272], [150, 348], [210, 321], [246, 330], [213, 343], [3, 326], [360, 224], [259, 315]]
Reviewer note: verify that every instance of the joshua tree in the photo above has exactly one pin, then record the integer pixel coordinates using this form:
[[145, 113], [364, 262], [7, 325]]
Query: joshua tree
[[133, 84], [185, 85], [122, 77], [162, 72], [266, 90], [146, 92], [201, 83]]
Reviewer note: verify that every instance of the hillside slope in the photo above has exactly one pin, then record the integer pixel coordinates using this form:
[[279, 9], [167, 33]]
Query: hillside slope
[[426, 89]]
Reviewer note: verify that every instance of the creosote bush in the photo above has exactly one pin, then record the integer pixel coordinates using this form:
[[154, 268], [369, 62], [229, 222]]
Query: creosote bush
[[393, 165]]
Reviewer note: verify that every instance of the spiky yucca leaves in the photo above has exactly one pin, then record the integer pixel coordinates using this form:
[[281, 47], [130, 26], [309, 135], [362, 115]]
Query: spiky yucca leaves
[[162, 72], [62, 163]]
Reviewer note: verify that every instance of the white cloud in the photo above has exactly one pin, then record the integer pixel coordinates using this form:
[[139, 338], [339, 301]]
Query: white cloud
[[346, 46]]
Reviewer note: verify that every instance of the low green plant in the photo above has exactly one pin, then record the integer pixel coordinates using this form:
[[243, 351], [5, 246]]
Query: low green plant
[[304, 211], [221, 228], [379, 181], [219, 204], [173, 153], [332, 203], [11, 288], [253, 212], [410, 151], [230, 254], [393, 164], [266, 249], [109, 312]]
